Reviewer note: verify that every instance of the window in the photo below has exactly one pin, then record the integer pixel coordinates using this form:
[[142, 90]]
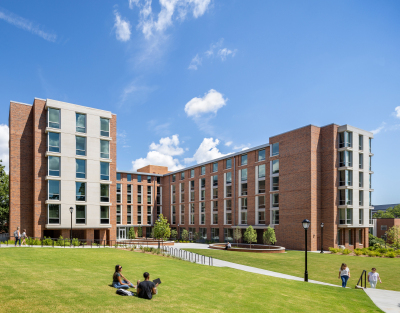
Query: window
[[191, 221], [350, 238], [173, 178], [119, 193], [202, 213], [54, 190], [345, 139], [261, 171], [215, 233], [360, 236], [182, 175], [158, 195], [139, 178], [54, 214], [360, 161], [159, 211], [80, 168], [104, 193], [349, 216], [104, 171], [275, 217], [149, 215], [129, 214], [203, 170], [228, 211], [275, 167], [370, 181], [203, 183], [370, 163], [360, 179], [243, 203], [345, 158], [192, 197], [80, 214], [119, 213], [118, 176], [383, 227], [360, 197], [158, 180], [80, 145], [54, 165], [243, 174], [104, 127], [149, 179], [129, 194], [275, 200], [228, 164], [53, 142], [215, 193], [229, 191], [370, 217], [80, 123], [360, 216], [215, 180], [228, 234], [370, 199], [243, 159], [243, 217], [191, 173], [139, 214], [261, 155], [360, 142], [275, 183], [80, 191], [215, 167], [149, 195], [229, 177], [54, 118], [275, 149], [370, 145], [346, 178], [192, 185], [346, 197], [104, 215], [104, 149], [214, 212], [129, 177], [261, 186], [261, 210], [182, 193], [182, 214]]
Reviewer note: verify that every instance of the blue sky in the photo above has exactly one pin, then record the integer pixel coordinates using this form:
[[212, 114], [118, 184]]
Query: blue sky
[[211, 77]]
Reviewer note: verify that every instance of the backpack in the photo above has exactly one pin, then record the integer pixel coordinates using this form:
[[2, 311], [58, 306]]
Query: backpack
[[123, 292], [16, 233]]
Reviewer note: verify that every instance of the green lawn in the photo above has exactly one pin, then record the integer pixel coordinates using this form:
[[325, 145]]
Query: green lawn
[[321, 267], [77, 280]]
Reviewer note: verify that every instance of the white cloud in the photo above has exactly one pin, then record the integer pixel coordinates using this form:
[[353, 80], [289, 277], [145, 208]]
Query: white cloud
[[207, 151], [4, 136], [397, 112], [196, 61], [162, 154], [122, 28], [168, 146], [378, 130], [223, 53], [228, 143], [170, 10], [210, 103], [27, 25], [241, 147]]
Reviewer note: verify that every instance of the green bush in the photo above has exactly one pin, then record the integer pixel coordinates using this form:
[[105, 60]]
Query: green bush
[[358, 251], [390, 254], [47, 241], [382, 250], [371, 253], [346, 251], [33, 242], [375, 240], [397, 252], [333, 250]]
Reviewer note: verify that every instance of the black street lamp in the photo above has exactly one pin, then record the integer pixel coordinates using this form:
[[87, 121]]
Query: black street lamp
[[385, 238], [178, 232], [306, 224], [71, 209], [322, 237]]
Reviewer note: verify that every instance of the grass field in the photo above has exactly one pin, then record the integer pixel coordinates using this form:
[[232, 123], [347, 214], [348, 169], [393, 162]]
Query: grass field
[[321, 267], [77, 280]]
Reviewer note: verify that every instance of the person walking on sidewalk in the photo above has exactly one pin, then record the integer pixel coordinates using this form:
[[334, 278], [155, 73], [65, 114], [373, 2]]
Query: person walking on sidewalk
[[373, 278], [24, 237], [17, 236], [344, 274]]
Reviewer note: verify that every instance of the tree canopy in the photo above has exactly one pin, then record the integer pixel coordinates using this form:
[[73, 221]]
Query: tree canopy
[[161, 228], [392, 212], [250, 235], [4, 198], [269, 236]]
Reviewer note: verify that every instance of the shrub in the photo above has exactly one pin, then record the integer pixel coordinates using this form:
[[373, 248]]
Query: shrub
[[47, 241], [33, 242], [371, 253], [365, 251], [346, 251], [390, 254], [397, 252], [333, 250], [358, 251], [375, 240], [382, 250]]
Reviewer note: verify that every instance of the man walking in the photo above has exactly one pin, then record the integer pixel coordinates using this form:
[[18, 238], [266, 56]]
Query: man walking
[[17, 236]]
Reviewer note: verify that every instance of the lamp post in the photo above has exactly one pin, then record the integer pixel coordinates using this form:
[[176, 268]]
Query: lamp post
[[385, 239], [322, 237], [71, 209], [306, 224], [178, 232]]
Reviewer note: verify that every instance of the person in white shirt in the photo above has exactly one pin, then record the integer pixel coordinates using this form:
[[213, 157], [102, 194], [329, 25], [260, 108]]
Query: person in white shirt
[[373, 278], [24, 237], [344, 274]]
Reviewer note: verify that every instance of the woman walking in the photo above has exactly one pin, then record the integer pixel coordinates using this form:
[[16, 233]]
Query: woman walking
[[373, 278], [24, 237], [344, 274], [119, 281], [17, 236]]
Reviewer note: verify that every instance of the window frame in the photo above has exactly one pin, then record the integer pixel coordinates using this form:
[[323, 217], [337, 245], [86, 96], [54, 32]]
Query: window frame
[[104, 133], [76, 123]]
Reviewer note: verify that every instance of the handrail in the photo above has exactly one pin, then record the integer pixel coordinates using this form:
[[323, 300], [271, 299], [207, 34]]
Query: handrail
[[364, 272]]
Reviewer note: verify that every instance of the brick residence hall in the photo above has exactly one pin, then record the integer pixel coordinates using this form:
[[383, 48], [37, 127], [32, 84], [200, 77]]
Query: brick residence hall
[[64, 155]]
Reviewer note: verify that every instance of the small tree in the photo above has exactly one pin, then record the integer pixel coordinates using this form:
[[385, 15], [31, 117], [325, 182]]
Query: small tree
[[196, 236], [161, 229], [140, 232], [269, 237], [185, 235], [250, 235], [4, 199], [393, 235], [132, 234], [237, 234], [174, 234]]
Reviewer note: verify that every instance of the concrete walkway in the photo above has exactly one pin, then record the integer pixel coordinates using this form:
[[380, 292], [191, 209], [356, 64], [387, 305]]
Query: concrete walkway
[[386, 300]]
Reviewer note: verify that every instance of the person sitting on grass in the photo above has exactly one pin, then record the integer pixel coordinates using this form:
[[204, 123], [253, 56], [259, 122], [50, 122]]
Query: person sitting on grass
[[228, 246], [146, 289], [119, 281]]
